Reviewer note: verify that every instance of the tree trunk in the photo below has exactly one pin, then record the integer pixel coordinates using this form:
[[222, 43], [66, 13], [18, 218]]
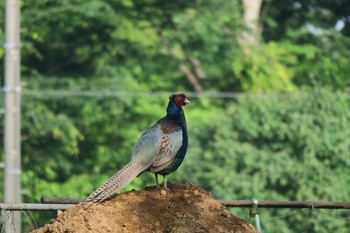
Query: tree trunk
[[251, 14]]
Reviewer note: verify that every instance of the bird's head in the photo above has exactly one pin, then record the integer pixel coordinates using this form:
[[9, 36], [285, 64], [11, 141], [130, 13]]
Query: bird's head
[[176, 102], [179, 99]]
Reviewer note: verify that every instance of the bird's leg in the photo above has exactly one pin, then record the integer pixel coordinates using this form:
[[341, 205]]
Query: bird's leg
[[157, 182], [164, 183]]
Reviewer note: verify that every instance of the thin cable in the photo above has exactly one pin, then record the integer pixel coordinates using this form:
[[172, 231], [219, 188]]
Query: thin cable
[[284, 216], [330, 215], [216, 95], [126, 94], [31, 217]]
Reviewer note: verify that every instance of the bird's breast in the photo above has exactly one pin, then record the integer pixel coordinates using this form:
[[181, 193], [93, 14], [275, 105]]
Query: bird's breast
[[169, 129]]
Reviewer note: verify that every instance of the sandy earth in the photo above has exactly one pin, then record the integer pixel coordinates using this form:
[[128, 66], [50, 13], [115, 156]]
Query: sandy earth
[[183, 208]]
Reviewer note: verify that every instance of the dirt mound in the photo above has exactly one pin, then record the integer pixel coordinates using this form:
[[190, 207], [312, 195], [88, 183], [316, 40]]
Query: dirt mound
[[183, 208]]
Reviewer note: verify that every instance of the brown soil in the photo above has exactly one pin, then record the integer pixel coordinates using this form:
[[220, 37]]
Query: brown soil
[[183, 208]]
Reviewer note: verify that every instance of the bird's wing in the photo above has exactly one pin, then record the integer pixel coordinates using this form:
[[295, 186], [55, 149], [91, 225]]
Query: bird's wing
[[170, 143], [145, 149], [157, 146]]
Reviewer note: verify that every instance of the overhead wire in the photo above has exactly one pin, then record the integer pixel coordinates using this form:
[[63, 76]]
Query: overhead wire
[[114, 94], [108, 93]]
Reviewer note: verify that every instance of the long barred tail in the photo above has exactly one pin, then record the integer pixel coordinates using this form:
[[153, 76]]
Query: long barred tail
[[116, 182]]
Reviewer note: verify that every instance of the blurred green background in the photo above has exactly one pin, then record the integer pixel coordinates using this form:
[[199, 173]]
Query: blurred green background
[[268, 83]]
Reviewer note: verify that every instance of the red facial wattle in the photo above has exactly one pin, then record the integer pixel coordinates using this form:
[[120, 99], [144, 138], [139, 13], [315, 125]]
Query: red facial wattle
[[181, 100]]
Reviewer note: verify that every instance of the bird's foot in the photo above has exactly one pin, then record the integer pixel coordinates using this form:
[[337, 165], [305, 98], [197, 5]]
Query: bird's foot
[[165, 188]]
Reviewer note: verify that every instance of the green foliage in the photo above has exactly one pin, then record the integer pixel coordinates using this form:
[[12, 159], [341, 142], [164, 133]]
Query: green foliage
[[128, 39], [264, 69], [329, 65], [311, 25], [274, 147]]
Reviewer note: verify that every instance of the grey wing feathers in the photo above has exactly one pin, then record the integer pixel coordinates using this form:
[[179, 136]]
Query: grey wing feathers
[[157, 147], [146, 147], [167, 149]]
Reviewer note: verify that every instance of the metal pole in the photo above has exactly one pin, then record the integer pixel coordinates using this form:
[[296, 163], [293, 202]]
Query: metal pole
[[62, 200], [288, 204], [12, 182], [34, 207], [232, 203], [254, 213]]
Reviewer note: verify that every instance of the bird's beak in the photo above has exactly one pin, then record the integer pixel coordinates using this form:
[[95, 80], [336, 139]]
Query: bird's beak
[[186, 101]]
